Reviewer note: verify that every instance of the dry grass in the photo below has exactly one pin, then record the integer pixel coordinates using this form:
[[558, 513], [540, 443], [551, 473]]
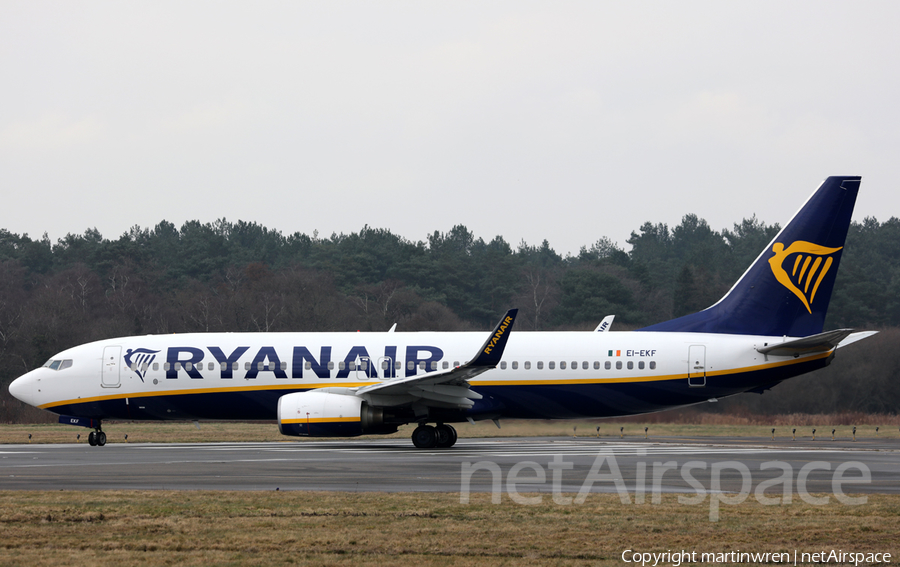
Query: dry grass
[[319, 528], [712, 426]]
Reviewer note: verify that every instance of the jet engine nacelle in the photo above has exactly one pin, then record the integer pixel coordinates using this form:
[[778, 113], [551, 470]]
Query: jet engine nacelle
[[328, 414]]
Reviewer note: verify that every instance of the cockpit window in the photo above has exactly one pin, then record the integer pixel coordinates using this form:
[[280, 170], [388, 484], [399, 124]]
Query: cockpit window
[[58, 364]]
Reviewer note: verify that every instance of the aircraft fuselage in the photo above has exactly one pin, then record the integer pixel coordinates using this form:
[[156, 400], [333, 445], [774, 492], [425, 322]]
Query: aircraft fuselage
[[544, 375]]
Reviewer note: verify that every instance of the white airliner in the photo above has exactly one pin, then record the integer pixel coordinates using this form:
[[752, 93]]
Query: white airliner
[[767, 328]]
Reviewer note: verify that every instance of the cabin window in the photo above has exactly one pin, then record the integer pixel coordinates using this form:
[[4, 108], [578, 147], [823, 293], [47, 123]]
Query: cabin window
[[652, 365], [585, 365], [527, 365], [410, 365], [363, 365], [330, 365], [178, 366], [445, 365], [607, 365], [155, 366], [562, 365], [422, 365], [384, 364], [618, 365], [235, 366], [351, 365], [145, 367], [641, 365], [551, 365], [503, 365], [398, 365], [574, 365], [596, 365], [540, 365], [434, 365], [630, 365], [284, 365], [515, 365], [166, 366]]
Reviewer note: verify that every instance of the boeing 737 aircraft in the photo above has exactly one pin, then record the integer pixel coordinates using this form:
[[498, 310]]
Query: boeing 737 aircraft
[[767, 328]]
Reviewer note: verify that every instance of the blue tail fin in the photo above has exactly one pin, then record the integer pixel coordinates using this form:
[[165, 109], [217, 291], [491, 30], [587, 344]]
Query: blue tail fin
[[787, 289]]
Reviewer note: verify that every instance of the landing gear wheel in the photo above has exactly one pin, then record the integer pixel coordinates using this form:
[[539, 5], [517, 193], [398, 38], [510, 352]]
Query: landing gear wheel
[[446, 435], [92, 438], [424, 437], [101, 439]]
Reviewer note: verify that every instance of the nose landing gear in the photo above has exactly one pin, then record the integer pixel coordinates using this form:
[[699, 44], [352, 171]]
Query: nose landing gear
[[97, 438], [428, 437]]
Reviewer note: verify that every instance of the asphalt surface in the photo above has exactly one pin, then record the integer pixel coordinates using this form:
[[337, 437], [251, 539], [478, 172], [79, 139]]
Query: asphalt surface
[[393, 465]]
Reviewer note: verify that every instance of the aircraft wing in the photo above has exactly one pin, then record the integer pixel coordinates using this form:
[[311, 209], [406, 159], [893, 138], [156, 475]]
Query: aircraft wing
[[446, 388], [822, 342]]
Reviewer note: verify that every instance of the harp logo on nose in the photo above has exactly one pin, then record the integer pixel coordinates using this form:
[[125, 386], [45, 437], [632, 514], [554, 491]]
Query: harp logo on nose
[[139, 360], [801, 267]]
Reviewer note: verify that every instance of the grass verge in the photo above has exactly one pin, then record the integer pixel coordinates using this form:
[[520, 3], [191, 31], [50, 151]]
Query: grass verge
[[329, 528]]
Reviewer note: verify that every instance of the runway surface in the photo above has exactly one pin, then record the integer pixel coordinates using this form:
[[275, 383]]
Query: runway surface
[[393, 465]]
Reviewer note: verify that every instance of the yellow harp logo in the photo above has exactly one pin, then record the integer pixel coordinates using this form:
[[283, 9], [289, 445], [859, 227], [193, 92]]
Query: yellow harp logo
[[811, 263]]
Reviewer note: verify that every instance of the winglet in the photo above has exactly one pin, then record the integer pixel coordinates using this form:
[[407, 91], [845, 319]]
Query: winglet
[[492, 349], [605, 324]]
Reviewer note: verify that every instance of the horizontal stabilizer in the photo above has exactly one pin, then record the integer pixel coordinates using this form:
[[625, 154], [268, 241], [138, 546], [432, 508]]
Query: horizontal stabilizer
[[823, 342], [856, 337]]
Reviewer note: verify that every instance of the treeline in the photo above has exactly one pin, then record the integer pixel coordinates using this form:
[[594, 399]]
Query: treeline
[[242, 276]]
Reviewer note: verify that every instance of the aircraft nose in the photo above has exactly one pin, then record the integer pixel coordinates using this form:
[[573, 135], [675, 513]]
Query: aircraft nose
[[24, 388]]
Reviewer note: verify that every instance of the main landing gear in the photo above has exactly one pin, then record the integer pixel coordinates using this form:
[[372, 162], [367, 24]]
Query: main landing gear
[[428, 437], [97, 438]]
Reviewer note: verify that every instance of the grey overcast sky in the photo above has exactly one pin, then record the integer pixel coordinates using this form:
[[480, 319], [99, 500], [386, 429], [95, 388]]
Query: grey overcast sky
[[565, 121]]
